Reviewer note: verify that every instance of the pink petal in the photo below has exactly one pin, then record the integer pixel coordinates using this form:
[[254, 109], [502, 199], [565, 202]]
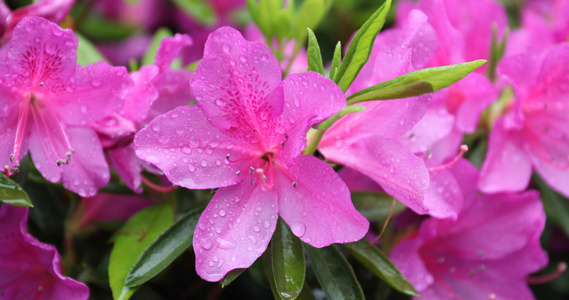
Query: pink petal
[[308, 99], [52, 10], [124, 206], [9, 125], [443, 193], [173, 91], [506, 167], [27, 264], [448, 147], [319, 209], [191, 151], [400, 173], [88, 170], [128, 165], [357, 181], [169, 49], [470, 96], [40, 51], [408, 260], [93, 93], [234, 79], [234, 229], [4, 12], [520, 71], [139, 99]]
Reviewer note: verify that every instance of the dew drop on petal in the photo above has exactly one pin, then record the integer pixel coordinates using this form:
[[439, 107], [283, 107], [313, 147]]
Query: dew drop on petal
[[298, 229]]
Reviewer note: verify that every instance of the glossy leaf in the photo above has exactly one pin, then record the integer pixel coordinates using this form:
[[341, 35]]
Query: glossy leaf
[[314, 56], [87, 53], [289, 268], [375, 206], [556, 206], [268, 267], [164, 249], [150, 54], [377, 262], [129, 243], [200, 11], [232, 275], [360, 47], [11, 193], [336, 60], [334, 273], [417, 82], [306, 293]]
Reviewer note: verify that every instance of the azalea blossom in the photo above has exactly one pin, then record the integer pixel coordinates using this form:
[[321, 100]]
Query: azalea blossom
[[48, 103], [30, 269], [157, 89], [532, 135], [486, 253], [245, 136], [464, 33], [368, 141], [96, 209]]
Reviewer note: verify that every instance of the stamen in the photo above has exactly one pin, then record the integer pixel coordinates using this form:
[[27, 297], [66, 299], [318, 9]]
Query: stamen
[[492, 297], [286, 136], [463, 150], [561, 267], [20, 131], [227, 156], [251, 170], [282, 144], [238, 173], [294, 184], [251, 181], [158, 188]]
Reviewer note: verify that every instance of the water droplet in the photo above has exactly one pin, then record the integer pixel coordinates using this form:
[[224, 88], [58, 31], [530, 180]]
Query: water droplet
[[226, 48], [222, 213], [156, 127], [256, 228], [186, 150], [219, 103], [224, 244], [243, 59], [267, 224], [96, 82], [252, 239], [298, 229], [208, 150], [204, 163], [83, 108], [191, 168]]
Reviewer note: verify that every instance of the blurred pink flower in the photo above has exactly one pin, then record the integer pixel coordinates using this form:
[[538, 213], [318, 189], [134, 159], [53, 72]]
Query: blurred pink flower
[[245, 136], [30, 269], [123, 207], [463, 35], [486, 253], [533, 132], [48, 103]]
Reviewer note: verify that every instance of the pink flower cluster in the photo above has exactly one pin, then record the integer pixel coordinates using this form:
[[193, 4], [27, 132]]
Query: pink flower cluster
[[247, 131]]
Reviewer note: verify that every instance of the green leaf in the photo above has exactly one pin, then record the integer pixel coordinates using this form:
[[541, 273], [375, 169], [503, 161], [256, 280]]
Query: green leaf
[[375, 206], [289, 268], [309, 15], [136, 234], [199, 10], [87, 53], [556, 206], [313, 54], [336, 60], [268, 267], [164, 249], [334, 273], [306, 293], [11, 193], [230, 276], [377, 262], [416, 83], [360, 47], [150, 54]]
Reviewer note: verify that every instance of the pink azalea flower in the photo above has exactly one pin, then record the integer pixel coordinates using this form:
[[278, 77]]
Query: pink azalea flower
[[157, 90], [245, 136], [533, 132], [545, 23], [486, 253], [30, 269], [96, 209], [48, 103], [53, 10], [368, 141], [463, 35]]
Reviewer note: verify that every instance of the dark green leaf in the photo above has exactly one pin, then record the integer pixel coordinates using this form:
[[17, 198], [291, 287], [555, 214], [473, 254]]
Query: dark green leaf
[[375, 206], [336, 60], [199, 10], [268, 267], [313, 54], [11, 193], [334, 273], [372, 258], [360, 47], [136, 234], [230, 276], [87, 53], [556, 206], [416, 83], [150, 54], [306, 293], [164, 249], [287, 262]]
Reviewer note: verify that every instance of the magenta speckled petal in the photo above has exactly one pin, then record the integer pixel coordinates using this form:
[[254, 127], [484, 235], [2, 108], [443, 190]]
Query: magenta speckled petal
[[191, 151], [318, 207], [234, 79], [128, 165], [52, 10], [234, 230]]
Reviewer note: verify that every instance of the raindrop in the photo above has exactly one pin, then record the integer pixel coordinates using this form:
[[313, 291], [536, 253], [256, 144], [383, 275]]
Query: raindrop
[[96, 82], [226, 48], [204, 163], [298, 229]]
